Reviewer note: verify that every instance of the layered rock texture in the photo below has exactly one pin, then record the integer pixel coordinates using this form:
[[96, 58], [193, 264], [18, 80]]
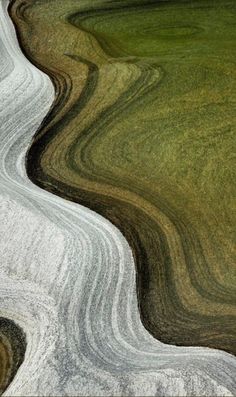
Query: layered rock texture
[[139, 104], [142, 132]]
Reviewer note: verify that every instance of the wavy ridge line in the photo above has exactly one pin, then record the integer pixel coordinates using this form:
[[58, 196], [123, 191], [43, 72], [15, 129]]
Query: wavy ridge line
[[68, 279]]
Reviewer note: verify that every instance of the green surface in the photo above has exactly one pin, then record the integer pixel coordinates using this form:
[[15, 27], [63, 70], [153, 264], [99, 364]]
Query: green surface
[[143, 132]]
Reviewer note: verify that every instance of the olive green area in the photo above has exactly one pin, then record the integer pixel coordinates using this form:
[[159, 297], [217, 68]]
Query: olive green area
[[12, 351], [143, 132]]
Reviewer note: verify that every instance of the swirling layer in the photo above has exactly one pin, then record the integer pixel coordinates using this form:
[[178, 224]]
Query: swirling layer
[[142, 133], [68, 278]]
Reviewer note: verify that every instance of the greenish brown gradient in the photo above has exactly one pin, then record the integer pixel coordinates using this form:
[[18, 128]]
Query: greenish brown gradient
[[12, 351], [143, 132]]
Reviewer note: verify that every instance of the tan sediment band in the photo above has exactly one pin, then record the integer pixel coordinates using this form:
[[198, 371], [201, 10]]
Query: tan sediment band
[[182, 298]]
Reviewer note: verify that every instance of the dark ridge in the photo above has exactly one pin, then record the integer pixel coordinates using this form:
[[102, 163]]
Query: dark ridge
[[148, 243]]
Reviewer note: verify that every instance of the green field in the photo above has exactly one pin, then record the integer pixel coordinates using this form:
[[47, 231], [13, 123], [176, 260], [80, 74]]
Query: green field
[[143, 132]]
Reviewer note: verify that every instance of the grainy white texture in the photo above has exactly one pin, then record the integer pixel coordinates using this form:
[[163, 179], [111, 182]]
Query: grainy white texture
[[67, 276]]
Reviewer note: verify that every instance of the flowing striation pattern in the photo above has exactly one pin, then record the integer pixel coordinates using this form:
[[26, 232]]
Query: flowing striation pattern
[[143, 132], [68, 277]]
